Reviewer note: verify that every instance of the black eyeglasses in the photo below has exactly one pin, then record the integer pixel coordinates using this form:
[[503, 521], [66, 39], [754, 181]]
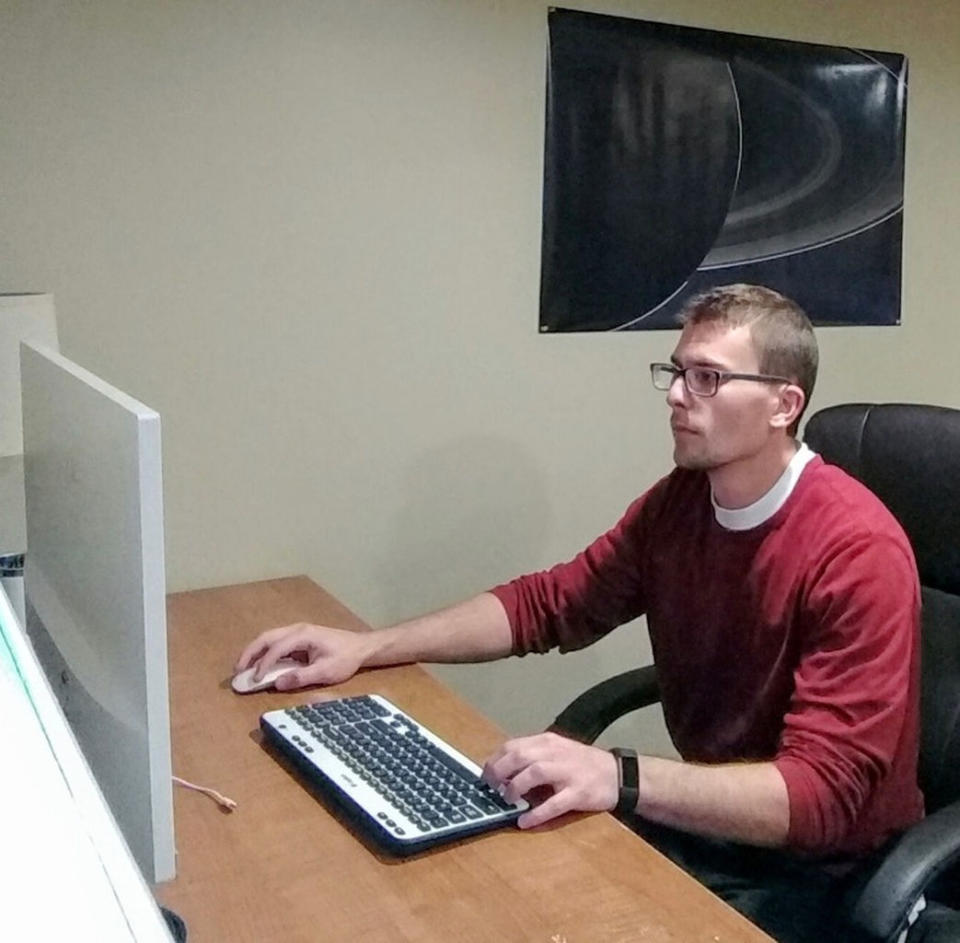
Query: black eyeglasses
[[703, 381]]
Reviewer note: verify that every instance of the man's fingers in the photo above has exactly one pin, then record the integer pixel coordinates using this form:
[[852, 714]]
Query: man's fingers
[[558, 804], [260, 644], [498, 772], [280, 648], [526, 780], [512, 757], [305, 677], [290, 681], [250, 654]]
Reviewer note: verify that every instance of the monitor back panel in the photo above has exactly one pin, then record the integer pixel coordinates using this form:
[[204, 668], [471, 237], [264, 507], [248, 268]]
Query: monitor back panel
[[95, 586]]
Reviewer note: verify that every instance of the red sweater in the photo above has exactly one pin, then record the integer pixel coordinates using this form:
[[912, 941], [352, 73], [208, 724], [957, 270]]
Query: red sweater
[[795, 641]]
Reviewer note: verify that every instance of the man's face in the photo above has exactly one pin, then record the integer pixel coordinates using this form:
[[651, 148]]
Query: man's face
[[710, 432]]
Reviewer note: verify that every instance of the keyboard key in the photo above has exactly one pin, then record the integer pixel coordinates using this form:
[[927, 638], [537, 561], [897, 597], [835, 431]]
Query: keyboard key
[[483, 803]]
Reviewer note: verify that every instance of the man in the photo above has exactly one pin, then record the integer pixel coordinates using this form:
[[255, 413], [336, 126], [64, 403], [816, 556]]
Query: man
[[782, 601]]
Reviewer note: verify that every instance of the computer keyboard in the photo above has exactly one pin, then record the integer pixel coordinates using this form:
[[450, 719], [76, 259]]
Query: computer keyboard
[[400, 783]]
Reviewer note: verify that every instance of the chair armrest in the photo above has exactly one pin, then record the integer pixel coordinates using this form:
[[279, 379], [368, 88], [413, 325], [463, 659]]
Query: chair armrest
[[585, 718], [918, 856]]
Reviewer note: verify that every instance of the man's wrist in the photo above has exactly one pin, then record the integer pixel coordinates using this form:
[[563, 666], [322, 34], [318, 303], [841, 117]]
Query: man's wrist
[[375, 647], [628, 780]]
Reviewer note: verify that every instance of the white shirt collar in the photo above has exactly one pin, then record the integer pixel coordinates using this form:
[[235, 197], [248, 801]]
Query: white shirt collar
[[753, 515]]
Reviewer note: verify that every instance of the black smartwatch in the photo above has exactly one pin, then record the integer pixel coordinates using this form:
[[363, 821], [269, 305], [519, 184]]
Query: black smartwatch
[[628, 777]]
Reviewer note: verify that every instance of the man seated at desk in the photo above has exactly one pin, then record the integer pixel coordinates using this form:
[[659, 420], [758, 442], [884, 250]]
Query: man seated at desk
[[782, 601]]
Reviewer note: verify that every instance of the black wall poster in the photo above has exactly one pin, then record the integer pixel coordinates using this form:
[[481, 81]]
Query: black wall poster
[[677, 159]]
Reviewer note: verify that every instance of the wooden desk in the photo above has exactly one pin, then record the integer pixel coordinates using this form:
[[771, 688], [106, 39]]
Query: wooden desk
[[282, 868]]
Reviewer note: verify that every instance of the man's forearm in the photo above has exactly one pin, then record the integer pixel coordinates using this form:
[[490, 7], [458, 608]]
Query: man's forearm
[[471, 631], [744, 802]]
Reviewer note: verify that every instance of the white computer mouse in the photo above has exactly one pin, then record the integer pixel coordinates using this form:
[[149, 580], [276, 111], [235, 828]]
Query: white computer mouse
[[243, 682]]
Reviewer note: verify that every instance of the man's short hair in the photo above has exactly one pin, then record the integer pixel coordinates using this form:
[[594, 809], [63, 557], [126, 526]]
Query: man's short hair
[[780, 329]]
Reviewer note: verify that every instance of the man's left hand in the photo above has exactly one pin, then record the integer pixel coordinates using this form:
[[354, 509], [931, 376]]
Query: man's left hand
[[582, 778]]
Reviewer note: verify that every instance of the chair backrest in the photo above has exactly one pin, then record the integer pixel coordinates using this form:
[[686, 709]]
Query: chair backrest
[[909, 456]]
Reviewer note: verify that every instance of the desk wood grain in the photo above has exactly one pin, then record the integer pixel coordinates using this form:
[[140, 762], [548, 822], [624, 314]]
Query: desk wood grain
[[283, 868]]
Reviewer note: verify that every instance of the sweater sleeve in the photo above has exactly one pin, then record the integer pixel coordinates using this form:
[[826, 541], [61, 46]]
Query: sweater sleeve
[[854, 684], [575, 603]]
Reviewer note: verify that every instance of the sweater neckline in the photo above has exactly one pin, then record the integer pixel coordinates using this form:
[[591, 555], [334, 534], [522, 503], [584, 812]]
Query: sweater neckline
[[753, 515]]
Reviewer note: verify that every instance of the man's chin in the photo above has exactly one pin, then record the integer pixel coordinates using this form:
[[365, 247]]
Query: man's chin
[[691, 461]]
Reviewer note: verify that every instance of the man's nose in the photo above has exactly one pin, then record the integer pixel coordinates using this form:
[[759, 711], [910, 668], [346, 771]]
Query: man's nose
[[677, 393]]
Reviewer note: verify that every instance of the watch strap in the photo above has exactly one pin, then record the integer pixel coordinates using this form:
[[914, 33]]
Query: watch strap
[[628, 777]]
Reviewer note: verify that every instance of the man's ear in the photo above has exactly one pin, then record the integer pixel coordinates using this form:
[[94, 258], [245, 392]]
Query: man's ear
[[789, 406]]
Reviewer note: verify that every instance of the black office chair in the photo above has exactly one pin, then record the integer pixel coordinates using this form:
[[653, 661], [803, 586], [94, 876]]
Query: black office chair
[[909, 456]]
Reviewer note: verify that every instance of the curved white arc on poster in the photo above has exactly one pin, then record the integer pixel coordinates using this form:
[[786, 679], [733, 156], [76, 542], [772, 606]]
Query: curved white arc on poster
[[733, 193], [646, 314], [805, 248], [900, 76], [818, 175]]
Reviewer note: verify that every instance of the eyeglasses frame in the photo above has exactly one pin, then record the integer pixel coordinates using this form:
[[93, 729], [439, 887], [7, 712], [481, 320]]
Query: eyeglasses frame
[[722, 377]]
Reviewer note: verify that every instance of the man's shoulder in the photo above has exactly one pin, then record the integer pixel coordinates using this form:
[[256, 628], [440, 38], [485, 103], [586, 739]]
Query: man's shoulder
[[835, 502], [831, 485]]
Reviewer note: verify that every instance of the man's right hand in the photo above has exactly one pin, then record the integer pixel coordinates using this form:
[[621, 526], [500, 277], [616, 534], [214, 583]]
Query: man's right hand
[[329, 655]]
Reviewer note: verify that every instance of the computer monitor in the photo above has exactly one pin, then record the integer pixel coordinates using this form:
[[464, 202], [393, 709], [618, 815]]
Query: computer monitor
[[95, 586]]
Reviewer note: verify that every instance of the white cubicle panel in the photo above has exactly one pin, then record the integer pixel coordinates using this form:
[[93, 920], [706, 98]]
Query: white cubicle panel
[[67, 874], [95, 587]]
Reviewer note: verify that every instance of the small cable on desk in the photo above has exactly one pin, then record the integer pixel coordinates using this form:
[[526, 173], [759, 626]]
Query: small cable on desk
[[223, 801]]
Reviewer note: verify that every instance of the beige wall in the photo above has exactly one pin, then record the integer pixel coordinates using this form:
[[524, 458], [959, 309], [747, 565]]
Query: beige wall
[[307, 232]]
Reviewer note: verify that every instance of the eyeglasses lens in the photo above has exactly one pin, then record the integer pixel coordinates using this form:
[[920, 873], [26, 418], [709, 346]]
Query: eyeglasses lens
[[663, 375], [702, 382], [698, 380]]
